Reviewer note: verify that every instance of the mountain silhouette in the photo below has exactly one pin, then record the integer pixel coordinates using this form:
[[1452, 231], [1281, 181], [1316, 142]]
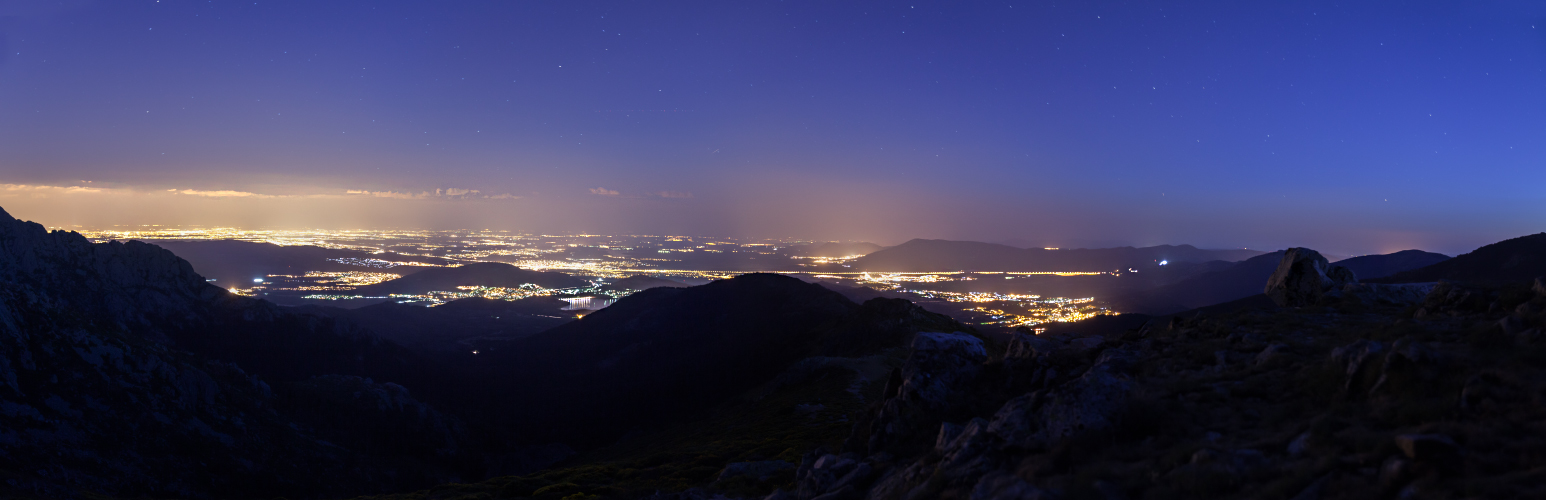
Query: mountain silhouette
[[1379, 266], [1516, 260], [496, 274], [641, 282], [1244, 279], [920, 255], [663, 353]]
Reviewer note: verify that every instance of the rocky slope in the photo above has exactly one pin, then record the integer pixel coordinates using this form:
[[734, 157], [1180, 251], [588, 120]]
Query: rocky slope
[[99, 392], [1351, 391]]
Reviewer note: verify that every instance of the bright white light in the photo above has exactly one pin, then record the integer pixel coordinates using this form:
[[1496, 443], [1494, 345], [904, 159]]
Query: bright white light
[[1163, 262], [260, 280]]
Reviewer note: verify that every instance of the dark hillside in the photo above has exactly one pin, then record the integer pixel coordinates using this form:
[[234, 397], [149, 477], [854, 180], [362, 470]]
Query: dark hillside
[[479, 274], [1517, 260], [1241, 280], [1245, 279], [1379, 266], [641, 282], [666, 352], [101, 394], [234, 263]]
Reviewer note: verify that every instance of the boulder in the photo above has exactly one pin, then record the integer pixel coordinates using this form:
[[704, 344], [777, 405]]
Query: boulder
[[940, 363], [1028, 345], [1355, 356], [1272, 352], [1303, 277], [1540, 286], [930, 381]]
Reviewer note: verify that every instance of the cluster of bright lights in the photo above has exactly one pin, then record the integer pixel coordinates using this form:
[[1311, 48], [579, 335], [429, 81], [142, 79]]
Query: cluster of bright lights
[[350, 278], [612, 257]]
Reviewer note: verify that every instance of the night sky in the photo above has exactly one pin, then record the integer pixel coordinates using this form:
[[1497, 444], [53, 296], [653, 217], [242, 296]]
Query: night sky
[[1353, 127]]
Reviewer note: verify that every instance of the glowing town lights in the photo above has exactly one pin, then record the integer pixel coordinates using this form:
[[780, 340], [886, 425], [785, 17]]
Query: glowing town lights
[[384, 255]]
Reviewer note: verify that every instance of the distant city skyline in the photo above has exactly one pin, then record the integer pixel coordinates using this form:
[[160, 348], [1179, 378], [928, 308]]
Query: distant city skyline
[[1351, 129]]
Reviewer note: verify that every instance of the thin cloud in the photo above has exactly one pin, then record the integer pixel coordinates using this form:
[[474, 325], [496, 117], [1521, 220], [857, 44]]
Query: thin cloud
[[391, 194], [45, 189], [603, 191], [224, 193], [672, 194]]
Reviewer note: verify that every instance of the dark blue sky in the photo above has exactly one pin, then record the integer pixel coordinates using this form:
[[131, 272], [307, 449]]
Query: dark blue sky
[[1350, 126]]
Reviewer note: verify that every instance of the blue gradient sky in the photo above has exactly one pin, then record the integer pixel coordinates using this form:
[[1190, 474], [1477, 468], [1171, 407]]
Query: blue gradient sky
[[1354, 127]]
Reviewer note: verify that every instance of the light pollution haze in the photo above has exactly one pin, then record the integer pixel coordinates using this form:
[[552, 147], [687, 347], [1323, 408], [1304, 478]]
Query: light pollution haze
[[1349, 128]]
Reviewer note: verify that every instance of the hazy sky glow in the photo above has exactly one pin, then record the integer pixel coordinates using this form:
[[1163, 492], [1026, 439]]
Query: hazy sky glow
[[1355, 127]]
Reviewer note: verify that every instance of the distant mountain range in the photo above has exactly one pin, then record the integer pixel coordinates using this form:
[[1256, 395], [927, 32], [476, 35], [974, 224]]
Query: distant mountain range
[[1515, 260], [641, 282], [921, 255], [1245, 279], [461, 325], [1369, 267], [834, 249], [234, 263]]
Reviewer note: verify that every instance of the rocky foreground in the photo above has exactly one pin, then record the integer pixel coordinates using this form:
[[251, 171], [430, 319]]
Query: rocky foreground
[[1346, 390]]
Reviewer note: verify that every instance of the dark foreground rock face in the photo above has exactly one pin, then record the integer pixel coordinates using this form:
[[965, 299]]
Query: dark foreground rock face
[[1303, 277], [1350, 396], [98, 392]]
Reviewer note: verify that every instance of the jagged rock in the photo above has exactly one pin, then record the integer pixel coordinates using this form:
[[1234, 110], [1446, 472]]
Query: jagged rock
[[1028, 345], [1539, 287], [1299, 445], [1090, 403], [965, 455], [940, 364], [760, 471], [1354, 357], [1427, 446], [947, 433], [1272, 352], [1303, 277], [1018, 423], [1117, 360], [1451, 299]]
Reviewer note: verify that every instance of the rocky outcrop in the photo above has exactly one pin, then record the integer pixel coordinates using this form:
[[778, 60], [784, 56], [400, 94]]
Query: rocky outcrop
[[940, 367], [99, 394], [1415, 391], [1303, 277]]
